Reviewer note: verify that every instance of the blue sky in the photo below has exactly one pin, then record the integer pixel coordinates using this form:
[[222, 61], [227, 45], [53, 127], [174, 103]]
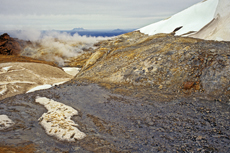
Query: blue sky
[[90, 14]]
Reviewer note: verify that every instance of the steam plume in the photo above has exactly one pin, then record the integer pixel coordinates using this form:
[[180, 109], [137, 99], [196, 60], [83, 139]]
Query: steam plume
[[55, 46]]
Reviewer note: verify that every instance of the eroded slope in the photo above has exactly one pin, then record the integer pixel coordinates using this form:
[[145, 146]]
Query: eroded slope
[[163, 64]]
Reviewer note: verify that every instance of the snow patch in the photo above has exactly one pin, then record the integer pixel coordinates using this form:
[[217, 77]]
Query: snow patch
[[3, 89], [45, 86], [71, 70], [41, 87], [57, 120], [219, 28], [6, 68], [5, 122]]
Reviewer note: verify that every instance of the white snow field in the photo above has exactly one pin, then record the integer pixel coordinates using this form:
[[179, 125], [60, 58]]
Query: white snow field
[[209, 19], [57, 121]]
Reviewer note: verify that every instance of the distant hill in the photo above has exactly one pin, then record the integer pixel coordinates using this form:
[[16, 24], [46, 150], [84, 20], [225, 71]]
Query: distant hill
[[97, 33], [118, 30], [78, 29]]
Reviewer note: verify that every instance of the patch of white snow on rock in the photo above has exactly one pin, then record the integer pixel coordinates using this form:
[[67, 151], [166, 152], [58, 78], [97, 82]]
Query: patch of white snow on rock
[[5, 122], [45, 86], [6, 68], [71, 70], [3, 89], [41, 87], [57, 121]]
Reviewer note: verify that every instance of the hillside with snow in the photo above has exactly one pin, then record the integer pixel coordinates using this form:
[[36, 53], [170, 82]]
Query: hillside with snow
[[209, 19], [142, 91]]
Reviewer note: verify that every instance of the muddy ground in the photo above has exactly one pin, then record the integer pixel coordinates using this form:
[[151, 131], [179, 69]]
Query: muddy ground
[[117, 123]]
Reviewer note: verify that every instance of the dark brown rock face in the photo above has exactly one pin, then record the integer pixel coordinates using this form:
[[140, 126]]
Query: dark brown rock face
[[10, 49], [161, 64], [8, 45]]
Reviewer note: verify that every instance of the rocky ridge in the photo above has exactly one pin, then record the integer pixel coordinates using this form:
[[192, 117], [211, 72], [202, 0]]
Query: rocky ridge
[[163, 65]]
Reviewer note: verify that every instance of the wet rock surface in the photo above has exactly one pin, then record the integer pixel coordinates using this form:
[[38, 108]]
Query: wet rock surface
[[116, 123]]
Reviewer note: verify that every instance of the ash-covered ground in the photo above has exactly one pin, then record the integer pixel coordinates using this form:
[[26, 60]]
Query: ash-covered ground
[[117, 123]]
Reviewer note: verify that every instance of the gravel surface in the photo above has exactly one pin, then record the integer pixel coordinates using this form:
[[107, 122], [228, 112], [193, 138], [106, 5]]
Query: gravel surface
[[116, 123]]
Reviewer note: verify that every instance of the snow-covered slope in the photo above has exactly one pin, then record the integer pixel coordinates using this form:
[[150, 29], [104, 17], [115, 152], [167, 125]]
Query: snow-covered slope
[[219, 27], [208, 19]]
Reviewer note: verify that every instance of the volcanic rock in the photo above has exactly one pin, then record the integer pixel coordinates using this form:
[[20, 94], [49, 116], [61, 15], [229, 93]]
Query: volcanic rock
[[188, 85], [8, 45], [164, 64]]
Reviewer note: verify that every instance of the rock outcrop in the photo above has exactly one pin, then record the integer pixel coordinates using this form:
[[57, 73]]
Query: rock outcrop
[[10, 50], [8, 45], [162, 65]]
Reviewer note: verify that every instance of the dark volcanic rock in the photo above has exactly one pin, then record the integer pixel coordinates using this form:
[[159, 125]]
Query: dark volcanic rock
[[8, 45], [10, 49], [116, 123]]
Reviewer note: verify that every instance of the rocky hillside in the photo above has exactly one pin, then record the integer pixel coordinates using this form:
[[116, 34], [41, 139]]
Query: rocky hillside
[[166, 93], [162, 93], [161, 66]]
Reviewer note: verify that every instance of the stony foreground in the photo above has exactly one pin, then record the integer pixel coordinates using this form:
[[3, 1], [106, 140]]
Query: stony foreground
[[116, 123]]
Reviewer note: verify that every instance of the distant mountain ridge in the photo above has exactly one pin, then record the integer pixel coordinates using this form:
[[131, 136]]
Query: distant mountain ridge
[[98, 33], [78, 29]]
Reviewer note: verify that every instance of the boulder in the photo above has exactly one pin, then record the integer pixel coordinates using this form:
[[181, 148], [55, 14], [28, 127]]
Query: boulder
[[8, 45]]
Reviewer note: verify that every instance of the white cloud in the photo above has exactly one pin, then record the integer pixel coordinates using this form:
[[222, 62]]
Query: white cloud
[[54, 46], [100, 14]]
